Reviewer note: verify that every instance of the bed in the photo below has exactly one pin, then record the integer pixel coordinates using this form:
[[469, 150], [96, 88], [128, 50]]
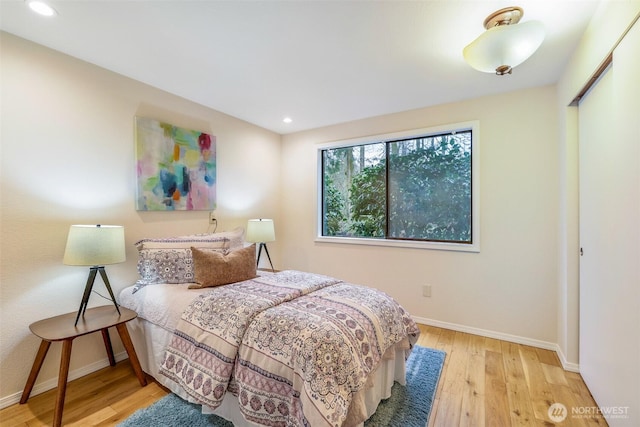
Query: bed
[[289, 348]]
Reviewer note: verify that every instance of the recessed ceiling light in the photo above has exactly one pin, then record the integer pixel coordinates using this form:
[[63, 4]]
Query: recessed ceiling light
[[287, 120], [41, 7]]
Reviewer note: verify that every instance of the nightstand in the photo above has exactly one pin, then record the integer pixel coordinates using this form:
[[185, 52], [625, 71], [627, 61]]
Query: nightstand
[[61, 328]]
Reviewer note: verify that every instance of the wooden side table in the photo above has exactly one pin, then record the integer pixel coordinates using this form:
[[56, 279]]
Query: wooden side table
[[61, 328]]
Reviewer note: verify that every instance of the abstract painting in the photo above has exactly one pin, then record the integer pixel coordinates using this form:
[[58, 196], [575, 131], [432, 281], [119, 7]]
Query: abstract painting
[[175, 167]]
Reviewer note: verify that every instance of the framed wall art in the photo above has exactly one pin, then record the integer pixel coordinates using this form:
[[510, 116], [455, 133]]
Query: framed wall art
[[175, 167]]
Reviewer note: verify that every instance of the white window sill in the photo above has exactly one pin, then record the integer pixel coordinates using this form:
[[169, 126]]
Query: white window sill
[[459, 247]]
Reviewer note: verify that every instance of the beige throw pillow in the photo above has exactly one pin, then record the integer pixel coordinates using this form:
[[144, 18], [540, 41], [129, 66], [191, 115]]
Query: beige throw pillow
[[214, 268]]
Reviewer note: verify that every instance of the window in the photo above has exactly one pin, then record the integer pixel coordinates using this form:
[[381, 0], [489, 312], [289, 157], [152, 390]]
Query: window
[[410, 189]]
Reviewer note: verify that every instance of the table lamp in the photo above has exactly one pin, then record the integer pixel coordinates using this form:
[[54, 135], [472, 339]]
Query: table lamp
[[95, 246], [261, 231]]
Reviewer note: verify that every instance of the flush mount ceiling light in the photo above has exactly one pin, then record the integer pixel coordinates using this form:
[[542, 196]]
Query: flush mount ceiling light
[[504, 45], [41, 8]]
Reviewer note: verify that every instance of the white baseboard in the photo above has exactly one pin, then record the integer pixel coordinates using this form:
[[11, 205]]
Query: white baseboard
[[568, 366], [53, 382], [572, 367]]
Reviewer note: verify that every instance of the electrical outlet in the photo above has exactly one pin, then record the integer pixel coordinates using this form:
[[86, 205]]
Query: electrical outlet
[[426, 291], [212, 217]]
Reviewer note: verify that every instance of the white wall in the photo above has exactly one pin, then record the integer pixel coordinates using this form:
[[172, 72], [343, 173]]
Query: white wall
[[510, 286], [68, 157]]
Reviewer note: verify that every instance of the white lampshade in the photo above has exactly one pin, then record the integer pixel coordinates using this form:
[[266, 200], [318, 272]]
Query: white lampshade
[[260, 231], [95, 245], [506, 43]]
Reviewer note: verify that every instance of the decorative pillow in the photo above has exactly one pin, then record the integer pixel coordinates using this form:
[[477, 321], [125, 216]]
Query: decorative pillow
[[166, 266], [213, 241], [212, 268], [235, 236], [169, 259]]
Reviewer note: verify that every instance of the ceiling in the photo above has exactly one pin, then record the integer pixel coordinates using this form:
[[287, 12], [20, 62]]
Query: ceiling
[[318, 62]]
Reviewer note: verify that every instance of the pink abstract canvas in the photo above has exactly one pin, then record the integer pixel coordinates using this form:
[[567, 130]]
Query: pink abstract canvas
[[176, 167]]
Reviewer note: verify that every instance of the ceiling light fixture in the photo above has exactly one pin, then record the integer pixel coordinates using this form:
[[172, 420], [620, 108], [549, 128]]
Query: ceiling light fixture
[[504, 45], [287, 120], [41, 8]]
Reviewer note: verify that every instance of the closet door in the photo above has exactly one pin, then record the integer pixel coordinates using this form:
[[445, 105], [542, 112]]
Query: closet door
[[609, 132]]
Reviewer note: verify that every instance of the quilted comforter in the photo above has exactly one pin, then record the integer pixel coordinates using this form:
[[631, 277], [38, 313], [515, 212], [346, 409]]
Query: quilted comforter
[[295, 348]]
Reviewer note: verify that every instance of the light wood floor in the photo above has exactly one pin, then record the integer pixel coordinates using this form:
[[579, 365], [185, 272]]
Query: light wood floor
[[484, 382]]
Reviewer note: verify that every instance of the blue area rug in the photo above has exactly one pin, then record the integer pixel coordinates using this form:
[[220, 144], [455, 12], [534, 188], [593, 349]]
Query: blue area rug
[[408, 406]]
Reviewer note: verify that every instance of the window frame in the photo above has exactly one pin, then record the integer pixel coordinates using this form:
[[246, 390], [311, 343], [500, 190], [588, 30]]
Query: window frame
[[474, 246]]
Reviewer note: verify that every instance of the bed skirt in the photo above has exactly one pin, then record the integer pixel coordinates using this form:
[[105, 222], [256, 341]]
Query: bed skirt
[[150, 342]]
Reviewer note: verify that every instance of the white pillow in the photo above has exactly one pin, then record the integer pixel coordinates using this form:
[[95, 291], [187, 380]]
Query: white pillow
[[235, 236]]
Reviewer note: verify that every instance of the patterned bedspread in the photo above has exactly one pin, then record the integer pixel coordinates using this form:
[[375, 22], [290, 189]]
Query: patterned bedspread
[[285, 342]]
